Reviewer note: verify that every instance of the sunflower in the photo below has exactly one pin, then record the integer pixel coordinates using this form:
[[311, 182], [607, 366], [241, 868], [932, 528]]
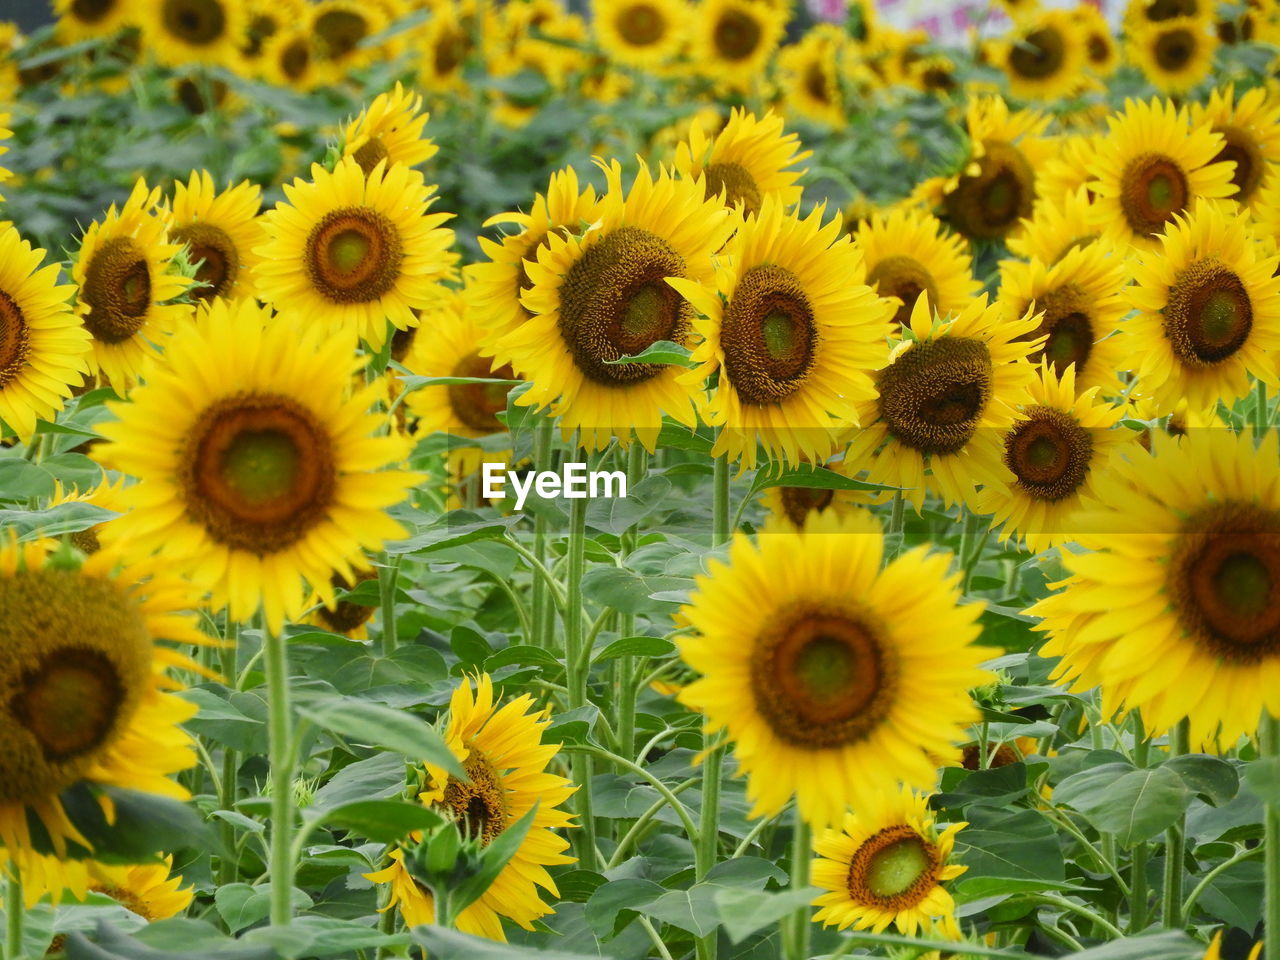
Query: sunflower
[[949, 389], [339, 29], [289, 60], [908, 253], [192, 31], [87, 19], [734, 40], [1102, 53], [501, 750], [1043, 56], [390, 129], [1080, 307], [833, 678], [1214, 951], [1173, 610], [346, 617], [793, 334], [886, 867], [1151, 166], [1175, 55], [5, 134], [811, 75], [264, 19], [1250, 127], [125, 272], [219, 231], [445, 45], [1064, 173], [1207, 312], [257, 469], [87, 693], [106, 495], [603, 295], [1058, 226], [748, 160], [1140, 12], [640, 33], [790, 507], [42, 344], [353, 253]]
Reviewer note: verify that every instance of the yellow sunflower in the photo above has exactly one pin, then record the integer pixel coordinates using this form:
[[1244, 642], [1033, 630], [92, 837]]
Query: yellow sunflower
[[264, 19], [1063, 174], [811, 75], [353, 253], [501, 749], [1175, 55], [125, 273], [833, 678], [793, 333], [1058, 226], [948, 391], [88, 696], [178, 32], [86, 19], [1151, 166], [1214, 950], [734, 40], [1043, 56], [790, 507], [907, 253], [42, 343], [219, 231], [604, 295], [445, 45], [748, 160], [340, 29], [640, 33], [106, 495], [1207, 312], [1080, 306], [1250, 127], [390, 129], [1172, 609], [257, 469], [1055, 448], [1102, 53], [147, 890], [344, 616], [886, 866]]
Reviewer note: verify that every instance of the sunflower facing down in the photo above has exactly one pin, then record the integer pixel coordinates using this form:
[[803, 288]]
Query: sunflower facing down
[[748, 160], [793, 334], [640, 33], [834, 679], [1175, 55], [351, 253], [257, 469], [1208, 312], [390, 129], [1174, 609], [219, 230], [886, 867], [501, 749], [604, 295], [1250, 125], [790, 507], [734, 40]]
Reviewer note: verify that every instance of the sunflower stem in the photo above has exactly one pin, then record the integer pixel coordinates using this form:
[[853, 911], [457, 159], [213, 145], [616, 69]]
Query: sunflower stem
[[228, 867], [577, 669], [1175, 840], [625, 667], [542, 438], [280, 736], [801, 861], [15, 915], [1260, 418], [1138, 890], [1269, 741], [388, 577], [720, 501], [896, 516]]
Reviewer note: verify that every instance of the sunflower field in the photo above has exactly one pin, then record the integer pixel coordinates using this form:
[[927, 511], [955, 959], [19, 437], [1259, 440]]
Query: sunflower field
[[641, 479]]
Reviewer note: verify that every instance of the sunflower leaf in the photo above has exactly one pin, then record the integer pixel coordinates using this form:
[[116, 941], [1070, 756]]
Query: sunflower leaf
[[663, 352]]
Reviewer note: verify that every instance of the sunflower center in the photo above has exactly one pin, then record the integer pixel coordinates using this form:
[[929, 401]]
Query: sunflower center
[[799, 502], [989, 204], [933, 395], [905, 278], [258, 472], [370, 153], [1209, 314], [1250, 164], [1098, 49], [769, 335], [1224, 580], [1049, 452], [1039, 54], [262, 27], [91, 11], [215, 251], [1067, 325], [820, 677], [117, 287], [738, 184], [737, 35], [197, 22], [14, 339], [1174, 49], [615, 302], [478, 404], [450, 51], [641, 24], [340, 32], [76, 661], [345, 615], [816, 82], [295, 58], [894, 869], [126, 898], [1168, 9], [1153, 189], [194, 99], [353, 255], [480, 807]]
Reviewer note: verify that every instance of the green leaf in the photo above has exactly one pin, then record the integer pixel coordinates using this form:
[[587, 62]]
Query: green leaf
[[315, 937], [1262, 777], [1166, 945], [614, 905], [144, 824], [743, 912], [818, 478], [636, 647], [494, 859], [625, 590], [376, 778], [1211, 778], [660, 352], [692, 910], [54, 521], [375, 725], [1021, 845], [381, 820], [109, 944], [410, 381], [522, 655], [452, 530], [242, 905], [440, 942], [1135, 805], [577, 886]]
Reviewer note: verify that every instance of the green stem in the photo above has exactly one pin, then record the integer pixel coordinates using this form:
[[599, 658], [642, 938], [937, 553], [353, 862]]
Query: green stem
[[1269, 740], [228, 866], [1138, 891], [632, 836], [577, 669], [667, 794], [625, 667], [1260, 423], [720, 501], [896, 517], [280, 748], [15, 915], [801, 859], [388, 577], [1079, 910], [542, 439], [1194, 896], [1175, 841]]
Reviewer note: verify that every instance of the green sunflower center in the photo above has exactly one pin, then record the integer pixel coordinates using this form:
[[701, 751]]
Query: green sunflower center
[[354, 255], [769, 335], [933, 395], [894, 869], [1209, 314]]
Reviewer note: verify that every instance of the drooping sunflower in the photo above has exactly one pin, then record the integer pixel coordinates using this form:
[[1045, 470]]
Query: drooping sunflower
[[42, 343], [87, 19], [1175, 55], [748, 160], [1250, 127], [1078, 299], [811, 75], [1043, 56], [833, 678], [126, 276], [257, 469], [793, 333], [908, 253], [192, 31], [501, 750], [353, 253], [886, 866], [87, 694], [1207, 312], [734, 40], [1174, 609], [604, 295], [1150, 168], [640, 33], [219, 231], [948, 391], [390, 129], [148, 890], [1055, 448]]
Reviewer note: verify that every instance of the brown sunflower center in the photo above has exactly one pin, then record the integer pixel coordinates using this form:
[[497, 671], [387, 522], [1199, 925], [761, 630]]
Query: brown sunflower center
[[478, 404], [92, 11], [1168, 9], [258, 472], [1242, 148], [126, 898], [799, 502], [340, 32], [736, 35], [1153, 189], [933, 395], [989, 204], [816, 82], [402, 343], [1049, 452], [1039, 54], [640, 24], [117, 288], [738, 184], [480, 807], [14, 339], [261, 28], [1068, 325], [347, 616], [894, 869], [1209, 314], [198, 99], [820, 677], [615, 302], [370, 153], [905, 278], [451, 49], [216, 254], [1098, 49], [1174, 49], [197, 22], [353, 255], [1224, 580], [769, 335]]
